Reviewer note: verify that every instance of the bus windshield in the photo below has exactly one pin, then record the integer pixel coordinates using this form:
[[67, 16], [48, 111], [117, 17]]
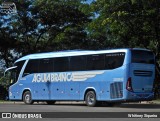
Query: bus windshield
[[142, 56], [11, 75]]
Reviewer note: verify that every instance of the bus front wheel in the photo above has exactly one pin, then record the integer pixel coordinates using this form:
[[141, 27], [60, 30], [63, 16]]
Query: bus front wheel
[[90, 98], [27, 98]]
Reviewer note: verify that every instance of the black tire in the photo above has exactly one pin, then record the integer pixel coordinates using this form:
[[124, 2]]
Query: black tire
[[50, 102], [27, 98], [90, 99]]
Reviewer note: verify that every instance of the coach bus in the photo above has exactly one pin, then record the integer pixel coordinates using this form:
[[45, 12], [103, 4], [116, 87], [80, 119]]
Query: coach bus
[[110, 76]]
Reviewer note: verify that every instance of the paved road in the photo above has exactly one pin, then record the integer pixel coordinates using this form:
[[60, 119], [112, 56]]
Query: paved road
[[79, 107]]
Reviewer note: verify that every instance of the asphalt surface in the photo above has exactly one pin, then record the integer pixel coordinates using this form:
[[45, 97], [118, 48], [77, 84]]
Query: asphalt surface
[[79, 108]]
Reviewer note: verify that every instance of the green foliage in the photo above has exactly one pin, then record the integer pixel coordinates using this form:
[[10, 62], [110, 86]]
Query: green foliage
[[51, 25], [3, 81], [127, 23], [42, 25], [64, 22]]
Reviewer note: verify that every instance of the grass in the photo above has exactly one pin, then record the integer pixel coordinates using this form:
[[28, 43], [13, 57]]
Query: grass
[[156, 101], [2, 101]]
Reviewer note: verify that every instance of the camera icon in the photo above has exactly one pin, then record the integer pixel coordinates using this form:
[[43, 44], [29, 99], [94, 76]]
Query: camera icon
[[6, 115]]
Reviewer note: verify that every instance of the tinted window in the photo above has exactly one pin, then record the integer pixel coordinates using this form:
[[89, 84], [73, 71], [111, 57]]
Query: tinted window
[[61, 64], [19, 67], [32, 67], [141, 56], [95, 62], [77, 63], [46, 65], [114, 60]]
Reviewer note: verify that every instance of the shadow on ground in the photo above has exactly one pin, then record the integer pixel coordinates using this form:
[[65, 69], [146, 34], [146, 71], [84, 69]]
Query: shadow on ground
[[80, 104], [140, 106], [122, 105]]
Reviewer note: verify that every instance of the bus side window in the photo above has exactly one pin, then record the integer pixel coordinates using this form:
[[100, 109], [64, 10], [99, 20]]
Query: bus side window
[[32, 67], [114, 60], [61, 64], [46, 65], [95, 62], [77, 63]]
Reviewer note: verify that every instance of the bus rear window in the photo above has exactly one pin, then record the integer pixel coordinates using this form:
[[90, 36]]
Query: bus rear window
[[141, 56]]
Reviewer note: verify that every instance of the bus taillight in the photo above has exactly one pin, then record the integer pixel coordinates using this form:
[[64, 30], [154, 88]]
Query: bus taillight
[[129, 84]]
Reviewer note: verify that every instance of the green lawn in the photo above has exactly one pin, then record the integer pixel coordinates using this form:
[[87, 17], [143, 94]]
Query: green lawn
[[1, 101], [156, 101]]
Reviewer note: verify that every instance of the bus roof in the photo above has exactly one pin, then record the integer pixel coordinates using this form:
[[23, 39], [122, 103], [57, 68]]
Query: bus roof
[[72, 53]]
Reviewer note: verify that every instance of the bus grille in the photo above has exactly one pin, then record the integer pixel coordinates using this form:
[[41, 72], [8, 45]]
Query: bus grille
[[116, 90], [142, 73]]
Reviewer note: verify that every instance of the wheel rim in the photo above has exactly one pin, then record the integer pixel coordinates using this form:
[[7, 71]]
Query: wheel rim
[[27, 98], [90, 99]]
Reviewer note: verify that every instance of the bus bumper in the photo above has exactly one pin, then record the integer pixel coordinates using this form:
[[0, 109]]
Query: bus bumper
[[132, 96]]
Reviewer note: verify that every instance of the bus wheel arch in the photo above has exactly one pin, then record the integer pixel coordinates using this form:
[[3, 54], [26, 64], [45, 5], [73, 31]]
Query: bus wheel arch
[[90, 97], [27, 97]]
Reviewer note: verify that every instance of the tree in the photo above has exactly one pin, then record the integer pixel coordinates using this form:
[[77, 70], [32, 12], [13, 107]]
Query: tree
[[43, 25], [127, 23], [64, 22], [7, 43]]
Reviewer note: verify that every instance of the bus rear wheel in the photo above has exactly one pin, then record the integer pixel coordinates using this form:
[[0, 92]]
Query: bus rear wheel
[[90, 99], [27, 98]]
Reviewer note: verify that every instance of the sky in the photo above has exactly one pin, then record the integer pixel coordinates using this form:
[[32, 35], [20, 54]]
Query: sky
[[89, 1]]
